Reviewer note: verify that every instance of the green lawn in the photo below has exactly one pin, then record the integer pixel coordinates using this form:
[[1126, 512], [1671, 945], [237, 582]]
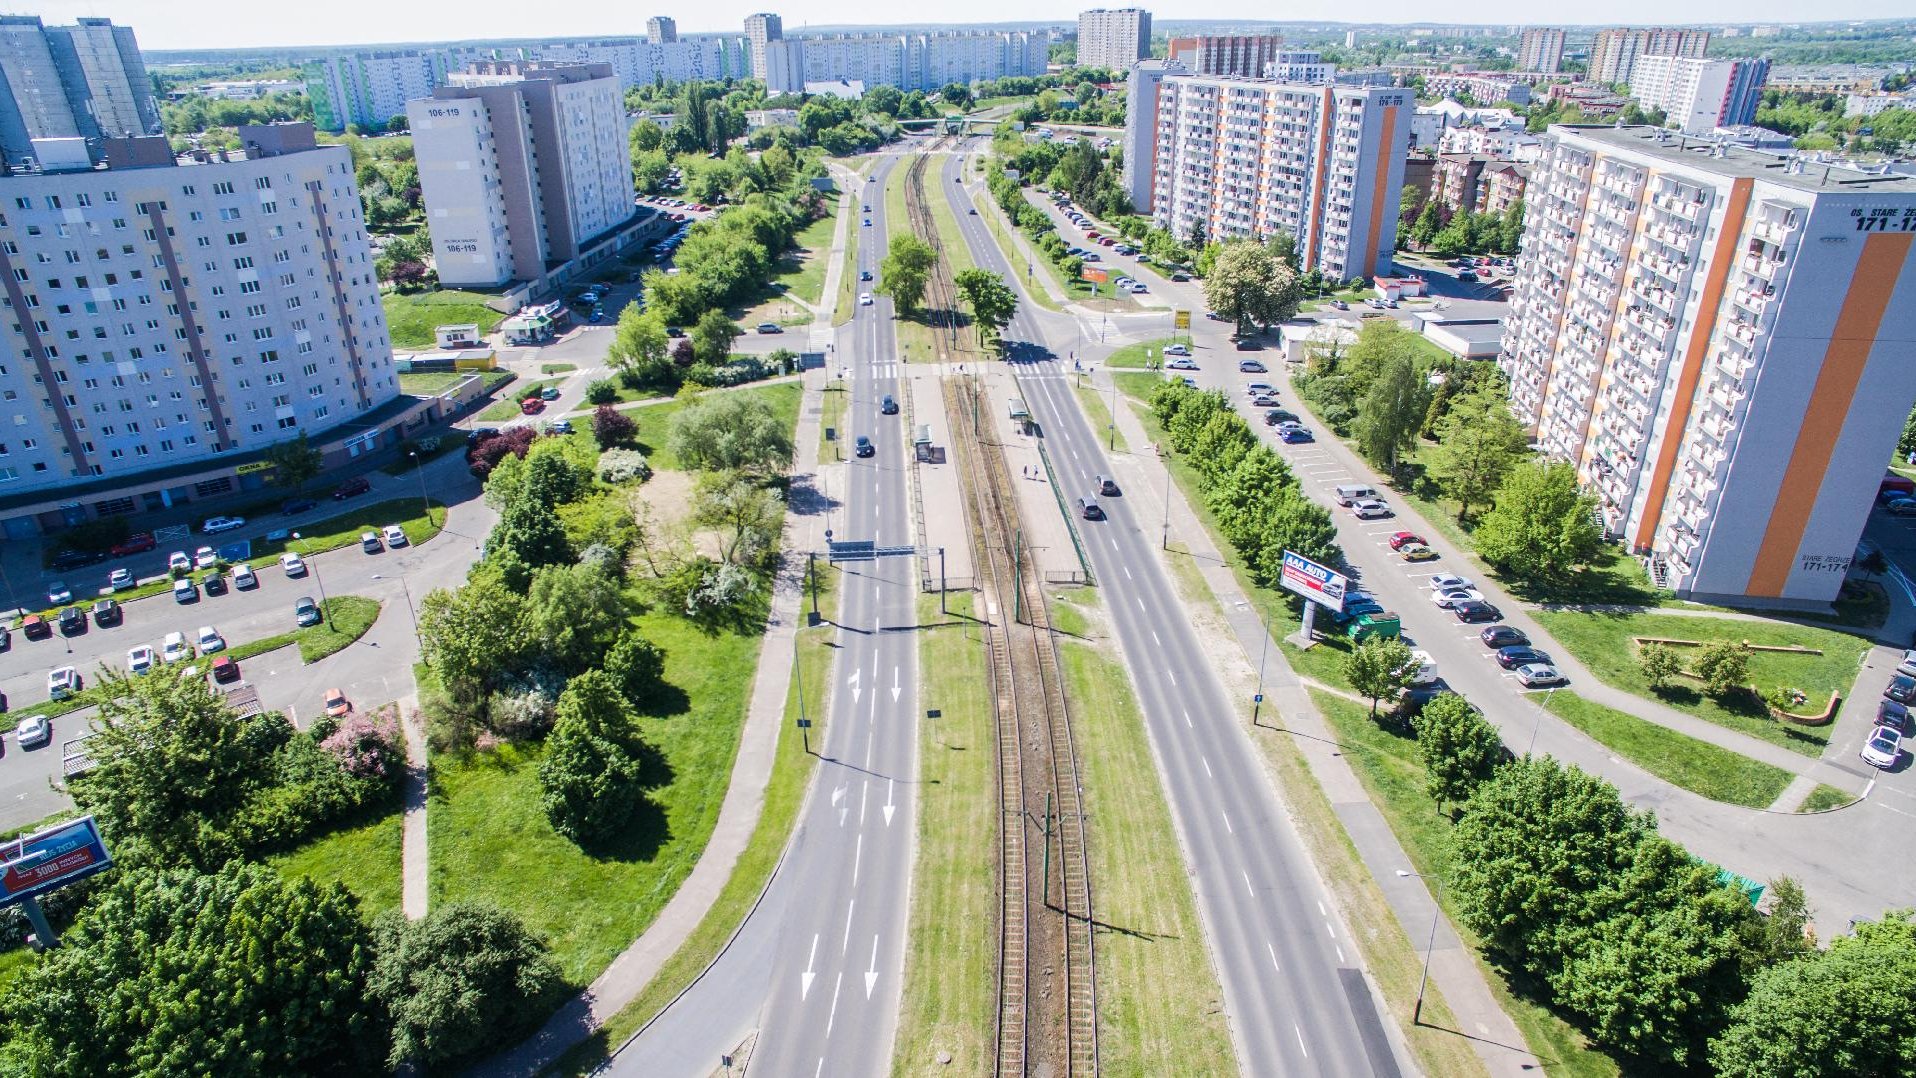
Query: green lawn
[[1603, 642], [363, 855], [1160, 1008], [1000, 231], [655, 421], [491, 841], [848, 283], [802, 269], [1133, 355], [430, 383], [412, 317], [345, 528], [837, 397], [951, 960], [508, 407], [557, 368], [1824, 798], [1698, 766]]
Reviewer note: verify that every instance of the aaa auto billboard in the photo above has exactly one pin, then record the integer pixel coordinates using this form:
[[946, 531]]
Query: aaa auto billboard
[[52, 858]]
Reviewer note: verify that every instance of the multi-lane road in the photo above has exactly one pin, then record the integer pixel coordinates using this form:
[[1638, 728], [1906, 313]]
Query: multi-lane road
[[1294, 988], [817, 967]]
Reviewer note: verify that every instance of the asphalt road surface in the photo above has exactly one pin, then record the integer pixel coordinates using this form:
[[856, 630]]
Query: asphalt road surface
[[818, 965], [1294, 988]]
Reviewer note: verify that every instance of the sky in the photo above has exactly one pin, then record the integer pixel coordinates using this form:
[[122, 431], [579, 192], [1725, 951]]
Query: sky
[[205, 24]]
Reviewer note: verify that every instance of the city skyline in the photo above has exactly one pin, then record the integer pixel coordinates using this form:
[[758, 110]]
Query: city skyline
[[164, 26]]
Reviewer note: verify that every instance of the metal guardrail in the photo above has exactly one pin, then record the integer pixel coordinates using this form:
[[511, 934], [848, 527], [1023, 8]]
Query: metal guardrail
[[1070, 524]]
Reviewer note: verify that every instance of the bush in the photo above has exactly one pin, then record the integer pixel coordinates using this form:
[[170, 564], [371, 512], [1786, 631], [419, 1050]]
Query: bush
[[367, 746], [464, 978], [593, 775], [623, 466], [1723, 665], [603, 391], [485, 456], [1660, 665], [611, 427], [638, 666]]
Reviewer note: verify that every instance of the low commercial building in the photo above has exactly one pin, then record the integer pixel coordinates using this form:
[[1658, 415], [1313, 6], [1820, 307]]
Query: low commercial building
[[1466, 338], [1717, 339]]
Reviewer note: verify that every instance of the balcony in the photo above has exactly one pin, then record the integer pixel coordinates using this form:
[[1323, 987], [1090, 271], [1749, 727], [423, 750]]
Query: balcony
[[1763, 267]]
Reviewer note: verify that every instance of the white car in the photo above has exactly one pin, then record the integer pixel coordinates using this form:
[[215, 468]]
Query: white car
[[1177, 350], [174, 648], [1370, 509], [1883, 747], [205, 558], [62, 682], [33, 731], [1449, 597], [1447, 581], [1537, 674], [864, 299], [216, 525], [120, 579], [139, 660], [210, 641], [395, 536], [244, 576], [178, 562], [292, 564], [58, 593], [1182, 363]]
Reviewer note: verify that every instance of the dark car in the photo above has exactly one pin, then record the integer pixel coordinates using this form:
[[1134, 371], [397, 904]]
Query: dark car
[[888, 406], [1902, 689], [73, 559], [1294, 435], [1180, 277], [225, 669], [107, 612], [864, 275], [137, 543], [863, 447], [1249, 344], [1278, 415], [215, 584], [1090, 509], [1107, 486], [292, 506], [1503, 636], [1893, 715], [1472, 611], [72, 620], [1517, 655], [351, 487]]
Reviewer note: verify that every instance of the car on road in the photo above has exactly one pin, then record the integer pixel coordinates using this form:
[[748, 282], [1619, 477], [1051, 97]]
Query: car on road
[[359, 484], [1179, 350], [292, 564], [58, 593], [1107, 486], [559, 426], [394, 535], [107, 612], [205, 558], [369, 542], [74, 559], [549, 393], [208, 640], [35, 730], [1517, 655], [178, 562], [1417, 552], [1180, 278], [769, 327], [1339, 305], [72, 621], [888, 406], [1248, 344], [62, 682], [862, 446], [1251, 366], [305, 611], [1449, 597], [120, 580], [1182, 363], [1472, 612], [225, 669], [864, 299], [185, 591], [1447, 581], [137, 543], [139, 660], [216, 525], [336, 704], [295, 506], [1370, 509], [244, 578], [1881, 750], [1537, 675], [864, 275], [531, 406], [1902, 689], [868, 222], [1293, 435], [1089, 509], [1400, 540]]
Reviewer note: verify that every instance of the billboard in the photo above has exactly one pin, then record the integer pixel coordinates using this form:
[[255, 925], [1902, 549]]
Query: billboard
[[1313, 581], [52, 858], [1096, 274], [1181, 319]]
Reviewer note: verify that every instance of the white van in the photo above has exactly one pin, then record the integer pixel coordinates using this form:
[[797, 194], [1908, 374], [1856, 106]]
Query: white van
[[1353, 492], [1422, 669]]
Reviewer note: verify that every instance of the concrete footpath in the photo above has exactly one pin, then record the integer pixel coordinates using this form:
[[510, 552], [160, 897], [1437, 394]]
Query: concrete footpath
[[413, 863], [1454, 970]]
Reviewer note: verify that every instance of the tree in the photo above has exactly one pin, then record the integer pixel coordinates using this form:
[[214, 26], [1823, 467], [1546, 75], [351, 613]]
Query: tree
[[1392, 412], [1247, 283], [1479, 441], [551, 479], [639, 348], [731, 432], [1378, 668], [174, 971], [956, 93], [529, 532], [592, 776], [1723, 665], [472, 634], [462, 979], [1786, 926], [746, 514], [1659, 664], [992, 302], [1829, 1014], [575, 613], [884, 100], [638, 666], [1906, 442], [1540, 527], [1460, 749], [713, 335], [295, 462], [906, 270], [611, 427]]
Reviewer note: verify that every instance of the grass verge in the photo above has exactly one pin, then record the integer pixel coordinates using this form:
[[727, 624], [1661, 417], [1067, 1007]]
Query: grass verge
[[429, 383], [836, 398], [1099, 414], [1001, 232], [362, 854], [1133, 356], [1824, 798], [848, 283], [1698, 766], [412, 317], [802, 269], [509, 408], [951, 961]]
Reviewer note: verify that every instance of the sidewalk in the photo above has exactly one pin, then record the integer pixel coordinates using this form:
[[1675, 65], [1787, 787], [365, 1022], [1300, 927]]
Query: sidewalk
[[1453, 968], [413, 862]]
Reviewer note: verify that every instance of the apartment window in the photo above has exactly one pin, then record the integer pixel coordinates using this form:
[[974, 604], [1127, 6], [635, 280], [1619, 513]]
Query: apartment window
[[243, 262], [235, 239], [224, 187], [229, 213], [248, 287]]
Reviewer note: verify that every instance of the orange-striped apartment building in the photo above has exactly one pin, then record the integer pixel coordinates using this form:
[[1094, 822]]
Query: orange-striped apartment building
[[1252, 157], [1723, 342]]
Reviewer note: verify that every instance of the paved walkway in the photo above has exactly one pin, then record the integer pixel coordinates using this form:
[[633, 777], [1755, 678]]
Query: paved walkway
[[413, 863], [1453, 968]]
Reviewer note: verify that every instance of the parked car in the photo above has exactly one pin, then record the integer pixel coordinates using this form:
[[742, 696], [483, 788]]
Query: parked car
[[1503, 636], [137, 543], [1251, 366], [216, 525], [208, 640], [292, 564], [359, 484], [1882, 748], [1417, 552], [336, 704], [205, 558], [1182, 363], [1181, 350], [178, 562], [1248, 344], [215, 584], [139, 660], [244, 578], [120, 580], [769, 327], [369, 542], [1370, 509], [72, 621], [1472, 612], [1445, 581], [107, 612], [34, 730], [58, 593], [862, 446], [1259, 389], [559, 426], [1278, 417], [185, 591], [1446, 598], [225, 669], [35, 627], [1089, 509], [305, 611], [1538, 675], [62, 682], [1902, 689], [74, 559], [1517, 655], [1400, 540], [394, 535], [1893, 715]]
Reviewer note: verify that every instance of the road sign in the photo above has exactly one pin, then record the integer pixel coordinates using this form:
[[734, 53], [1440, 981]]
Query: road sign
[[1313, 581], [52, 858], [1181, 319]]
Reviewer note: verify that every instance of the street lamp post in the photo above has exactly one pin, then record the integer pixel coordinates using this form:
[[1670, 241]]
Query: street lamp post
[[1416, 1017], [313, 567], [425, 501], [1164, 539], [1538, 725]]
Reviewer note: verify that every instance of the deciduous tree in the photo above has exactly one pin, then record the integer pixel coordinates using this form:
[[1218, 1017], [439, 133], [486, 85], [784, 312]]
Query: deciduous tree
[[295, 462], [1377, 669], [906, 270], [1479, 441], [464, 978], [1724, 666], [992, 302], [1392, 411], [1540, 527], [640, 348], [575, 613], [713, 335], [1659, 664], [1460, 749], [473, 633], [730, 432], [1247, 284]]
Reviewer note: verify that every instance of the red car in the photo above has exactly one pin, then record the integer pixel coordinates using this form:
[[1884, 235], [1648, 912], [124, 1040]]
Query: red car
[[532, 406], [225, 669], [137, 543], [700, 208], [1400, 540]]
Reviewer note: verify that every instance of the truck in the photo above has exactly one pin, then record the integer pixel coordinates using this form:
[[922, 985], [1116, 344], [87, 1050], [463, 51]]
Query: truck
[[1371, 625]]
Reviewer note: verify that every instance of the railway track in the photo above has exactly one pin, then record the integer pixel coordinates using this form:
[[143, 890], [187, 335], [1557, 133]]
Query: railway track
[[941, 294], [1047, 974]]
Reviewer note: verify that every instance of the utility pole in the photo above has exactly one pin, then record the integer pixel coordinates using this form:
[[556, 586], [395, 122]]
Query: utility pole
[[798, 681], [1047, 848], [1017, 576], [1264, 652], [941, 580]]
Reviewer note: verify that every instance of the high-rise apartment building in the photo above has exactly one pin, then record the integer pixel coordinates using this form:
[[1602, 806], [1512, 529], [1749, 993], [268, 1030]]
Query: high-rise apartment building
[[1113, 38], [1613, 54], [1243, 55], [1717, 338], [1301, 65], [81, 81], [370, 88], [1540, 50], [925, 61], [522, 167], [759, 29], [661, 30], [1700, 96], [637, 62], [1253, 157], [165, 314]]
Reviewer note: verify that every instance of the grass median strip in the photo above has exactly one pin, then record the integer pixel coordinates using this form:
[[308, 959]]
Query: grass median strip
[[1698, 766]]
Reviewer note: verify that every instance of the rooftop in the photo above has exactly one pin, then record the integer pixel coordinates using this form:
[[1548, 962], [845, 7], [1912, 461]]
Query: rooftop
[[1723, 159]]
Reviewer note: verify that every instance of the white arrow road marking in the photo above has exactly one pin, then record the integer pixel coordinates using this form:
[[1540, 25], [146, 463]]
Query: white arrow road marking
[[838, 799], [805, 978], [888, 805], [871, 975], [853, 682], [895, 689]]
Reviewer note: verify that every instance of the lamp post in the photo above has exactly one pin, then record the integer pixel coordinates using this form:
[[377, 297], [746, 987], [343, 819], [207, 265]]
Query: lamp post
[[1416, 1017], [425, 501], [1534, 727], [313, 567]]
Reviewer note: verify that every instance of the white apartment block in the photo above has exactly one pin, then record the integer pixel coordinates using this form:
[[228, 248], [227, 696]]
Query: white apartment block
[[645, 62], [1718, 339], [522, 167], [370, 88], [1253, 157], [1614, 52], [1541, 49], [760, 29], [163, 315], [1700, 96], [1113, 38], [661, 30], [1299, 65], [1874, 104], [925, 61], [1482, 87], [82, 81]]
